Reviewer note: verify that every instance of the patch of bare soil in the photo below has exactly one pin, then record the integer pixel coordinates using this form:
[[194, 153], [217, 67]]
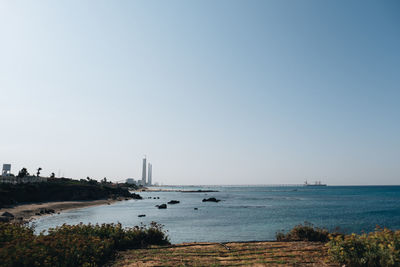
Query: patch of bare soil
[[229, 254]]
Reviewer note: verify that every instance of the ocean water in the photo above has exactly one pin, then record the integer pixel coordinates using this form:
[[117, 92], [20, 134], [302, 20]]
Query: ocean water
[[247, 213]]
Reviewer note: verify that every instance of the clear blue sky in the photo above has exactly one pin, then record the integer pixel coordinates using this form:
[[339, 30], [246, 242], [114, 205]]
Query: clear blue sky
[[213, 92]]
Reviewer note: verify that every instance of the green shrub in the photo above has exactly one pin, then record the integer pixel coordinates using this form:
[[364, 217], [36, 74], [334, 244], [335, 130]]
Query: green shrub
[[122, 238], [379, 248], [9, 232], [77, 245], [306, 232]]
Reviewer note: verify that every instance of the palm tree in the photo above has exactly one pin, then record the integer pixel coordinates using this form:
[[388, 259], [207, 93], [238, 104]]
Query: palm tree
[[38, 171], [22, 173]]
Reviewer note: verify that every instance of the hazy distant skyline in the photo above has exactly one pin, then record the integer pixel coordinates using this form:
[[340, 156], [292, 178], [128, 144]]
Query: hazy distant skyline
[[213, 92]]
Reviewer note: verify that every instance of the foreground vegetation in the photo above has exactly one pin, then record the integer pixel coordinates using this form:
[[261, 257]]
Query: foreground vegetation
[[306, 232], [96, 245], [79, 245], [60, 189], [379, 248]]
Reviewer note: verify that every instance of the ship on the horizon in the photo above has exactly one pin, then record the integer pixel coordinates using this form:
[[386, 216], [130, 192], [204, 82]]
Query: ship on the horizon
[[317, 183]]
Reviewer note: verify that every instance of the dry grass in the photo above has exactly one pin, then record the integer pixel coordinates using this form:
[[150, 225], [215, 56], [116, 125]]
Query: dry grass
[[229, 254]]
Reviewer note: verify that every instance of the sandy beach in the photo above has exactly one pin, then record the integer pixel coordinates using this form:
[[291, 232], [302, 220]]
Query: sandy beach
[[28, 212]]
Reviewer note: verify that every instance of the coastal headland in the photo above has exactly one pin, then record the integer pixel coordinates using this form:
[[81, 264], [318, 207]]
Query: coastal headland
[[26, 201]]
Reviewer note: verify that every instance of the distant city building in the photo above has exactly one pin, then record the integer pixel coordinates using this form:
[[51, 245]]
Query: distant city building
[[6, 170], [143, 182], [150, 174], [130, 181]]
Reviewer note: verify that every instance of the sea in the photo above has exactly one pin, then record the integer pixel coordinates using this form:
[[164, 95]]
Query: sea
[[246, 213]]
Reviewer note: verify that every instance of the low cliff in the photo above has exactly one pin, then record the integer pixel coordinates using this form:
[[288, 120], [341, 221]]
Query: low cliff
[[60, 190]]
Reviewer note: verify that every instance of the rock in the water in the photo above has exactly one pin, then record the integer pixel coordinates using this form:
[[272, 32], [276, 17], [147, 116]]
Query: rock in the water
[[142, 215], [174, 202], [136, 196], [46, 211], [162, 206], [211, 199], [195, 208], [7, 214]]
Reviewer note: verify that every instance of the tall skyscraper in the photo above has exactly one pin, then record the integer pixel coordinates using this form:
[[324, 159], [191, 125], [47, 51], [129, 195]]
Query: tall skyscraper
[[144, 172], [150, 173]]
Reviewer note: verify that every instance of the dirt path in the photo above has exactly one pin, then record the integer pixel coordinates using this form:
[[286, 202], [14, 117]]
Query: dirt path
[[229, 254]]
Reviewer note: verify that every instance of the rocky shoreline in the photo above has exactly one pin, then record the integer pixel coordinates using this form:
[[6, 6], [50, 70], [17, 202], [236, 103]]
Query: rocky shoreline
[[28, 212]]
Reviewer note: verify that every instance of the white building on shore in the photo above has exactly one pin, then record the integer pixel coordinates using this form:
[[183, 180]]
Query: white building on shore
[[9, 178], [6, 170], [22, 180]]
